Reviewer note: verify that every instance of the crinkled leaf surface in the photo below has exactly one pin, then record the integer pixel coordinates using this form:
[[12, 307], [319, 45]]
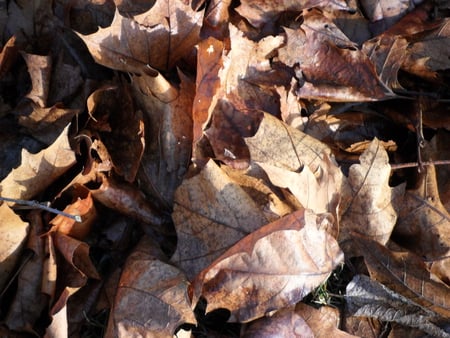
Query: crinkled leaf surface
[[273, 267]]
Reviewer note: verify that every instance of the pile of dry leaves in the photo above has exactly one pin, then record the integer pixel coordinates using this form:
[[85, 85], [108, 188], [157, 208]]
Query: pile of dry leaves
[[224, 168]]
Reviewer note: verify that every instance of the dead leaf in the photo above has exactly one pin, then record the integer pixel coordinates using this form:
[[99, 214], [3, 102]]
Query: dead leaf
[[83, 206], [367, 202], [284, 323], [8, 55], [260, 12], [38, 171], [273, 267], [368, 298], [151, 299], [405, 274], [324, 322], [171, 28], [13, 231], [211, 213]]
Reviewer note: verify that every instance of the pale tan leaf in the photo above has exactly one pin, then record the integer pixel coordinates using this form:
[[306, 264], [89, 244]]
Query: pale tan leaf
[[13, 233], [273, 267], [367, 202], [211, 213], [38, 171], [40, 69], [152, 299]]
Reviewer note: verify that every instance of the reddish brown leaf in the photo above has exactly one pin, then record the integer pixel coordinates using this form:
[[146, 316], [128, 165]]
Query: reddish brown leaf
[[273, 267]]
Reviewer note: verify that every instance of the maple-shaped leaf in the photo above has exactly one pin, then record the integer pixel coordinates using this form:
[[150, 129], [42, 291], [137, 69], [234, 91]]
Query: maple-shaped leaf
[[406, 274], [273, 267], [330, 67], [211, 213], [13, 231], [151, 299], [260, 12], [157, 38], [367, 202], [423, 224], [368, 298], [38, 171]]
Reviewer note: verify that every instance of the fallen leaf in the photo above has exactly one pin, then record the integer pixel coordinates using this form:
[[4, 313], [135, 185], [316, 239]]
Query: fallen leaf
[[367, 202], [39, 68], [284, 323], [211, 213], [406, 274], [151, 299], [14, 232], [273, 267], [171, 28], [368, 298], [324, 322], [38, 171]]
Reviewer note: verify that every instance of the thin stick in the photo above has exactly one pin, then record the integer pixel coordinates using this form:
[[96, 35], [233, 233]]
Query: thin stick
[[38, 205], [397, 166]]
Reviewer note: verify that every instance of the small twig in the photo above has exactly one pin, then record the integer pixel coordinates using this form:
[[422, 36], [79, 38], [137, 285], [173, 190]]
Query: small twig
[[416, 164], [38, 205]]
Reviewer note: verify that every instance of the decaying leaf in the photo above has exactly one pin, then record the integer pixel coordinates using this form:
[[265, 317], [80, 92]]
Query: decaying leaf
[[211, 213], [38, 171], [151, 300], [273, 267], [368, 298]]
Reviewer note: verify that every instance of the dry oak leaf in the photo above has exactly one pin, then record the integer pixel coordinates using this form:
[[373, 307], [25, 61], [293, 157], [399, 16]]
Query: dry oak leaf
[[324, 322], [284, 323], [367, 199], [423, 224], [368, 298], [260, 12], [211, 213], [331, 67], [13, 233], [406, 274], [38, 171], [157, 38], [151, 299], [272, 268]]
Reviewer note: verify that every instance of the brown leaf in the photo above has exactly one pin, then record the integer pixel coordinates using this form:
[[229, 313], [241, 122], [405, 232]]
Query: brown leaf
[[345, 73], [168, 130], [324, 322], [38, 171], [273, 267], [284, 323], [261, 12], [405, 274], [424, 224], [29, 300], [368, 298], [367, 202], [13, 232], [8, 55], [83, 206], [211, 213], [40, 69], [151, 300], [277, 144], [155, 39]]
